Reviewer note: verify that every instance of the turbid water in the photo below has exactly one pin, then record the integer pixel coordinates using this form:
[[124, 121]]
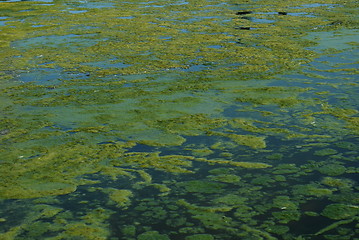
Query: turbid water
[[180, 120]]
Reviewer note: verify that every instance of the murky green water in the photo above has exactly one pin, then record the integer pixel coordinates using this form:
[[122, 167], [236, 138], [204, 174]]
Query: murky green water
[[181, 120]]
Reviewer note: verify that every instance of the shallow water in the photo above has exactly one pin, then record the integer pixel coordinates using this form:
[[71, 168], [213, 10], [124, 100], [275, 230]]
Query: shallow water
[[179, 120]]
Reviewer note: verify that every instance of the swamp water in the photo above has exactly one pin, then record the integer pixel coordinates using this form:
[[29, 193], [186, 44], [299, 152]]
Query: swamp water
[[194, 120]]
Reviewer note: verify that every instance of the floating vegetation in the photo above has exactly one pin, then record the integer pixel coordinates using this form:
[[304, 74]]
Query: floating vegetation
[[120, 197], [332, 169], [195, 120], [340, 211]]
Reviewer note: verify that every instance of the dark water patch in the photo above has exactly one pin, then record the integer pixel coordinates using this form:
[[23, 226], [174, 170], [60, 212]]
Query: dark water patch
[[309, 225], [13, 211]]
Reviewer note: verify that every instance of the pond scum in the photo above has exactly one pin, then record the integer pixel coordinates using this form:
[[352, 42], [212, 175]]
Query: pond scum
[[181, 120]]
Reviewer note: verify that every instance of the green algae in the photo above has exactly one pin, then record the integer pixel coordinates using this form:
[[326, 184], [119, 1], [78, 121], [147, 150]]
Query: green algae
[[91, 226], [200, 237], [346, 145], [121, 197], [236, 164], [202, 152], [53, 173], [230, 200], [332, 169], [244, 212], [286, 216], [31, 222], [337, 182], [129, 231], [37, 189], [282, 97], [226, 178], [246, 140], [284, 202], [336, 225], [325, 152], [154, 77], [85, 231], [220, 171], [212, 220], [199, 186], [311, 190], [152, 235], [340, 211], [286, 169], [275, 156], [170, 163], [278, 229]]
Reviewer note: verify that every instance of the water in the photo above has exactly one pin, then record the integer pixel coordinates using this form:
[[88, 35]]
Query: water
[[178, 120]]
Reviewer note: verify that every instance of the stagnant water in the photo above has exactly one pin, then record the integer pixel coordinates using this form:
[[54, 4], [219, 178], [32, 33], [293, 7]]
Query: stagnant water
[[181, 120]]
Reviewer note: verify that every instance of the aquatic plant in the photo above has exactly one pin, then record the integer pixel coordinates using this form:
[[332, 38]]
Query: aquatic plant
[[340, 211], [178, 119]]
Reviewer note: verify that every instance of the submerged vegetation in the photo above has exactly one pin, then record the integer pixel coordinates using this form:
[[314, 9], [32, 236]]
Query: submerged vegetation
[[195, 120]]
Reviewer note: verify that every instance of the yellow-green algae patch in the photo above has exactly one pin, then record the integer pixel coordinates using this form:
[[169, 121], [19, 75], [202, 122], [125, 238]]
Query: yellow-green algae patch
[[226, 178], [340, 211], [33, 189], [246, 140], [121, 197], [200, 237], [92, 225], [55, 172], [168, 163], [152, 235], [155, 76], [312, 190], [136, 42], [238, 164]]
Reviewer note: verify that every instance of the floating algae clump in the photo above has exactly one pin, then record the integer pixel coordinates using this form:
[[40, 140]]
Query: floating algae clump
[[278, 229], [280, 96], [199, 186], [236, 164], [230, 200], [169, 163], [338, 211], [226, 178], [85, 231], [248, 140], [332, 169], [129, 231], [284, 202], [287, 215], [212, 220], [254, 142], [200, 237], [347, 145], [120, 197], [202, 152], [325, 152], [265, 180], [286, 169], [55, 172], [337, 182], [33, 189], [311, 190], [152, 235], [275, 156]]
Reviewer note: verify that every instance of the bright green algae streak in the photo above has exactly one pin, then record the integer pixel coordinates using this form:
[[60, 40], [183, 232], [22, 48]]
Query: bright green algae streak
[[178, 120]]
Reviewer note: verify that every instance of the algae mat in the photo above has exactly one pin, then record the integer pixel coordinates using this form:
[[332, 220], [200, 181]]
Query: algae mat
[[193, 120]]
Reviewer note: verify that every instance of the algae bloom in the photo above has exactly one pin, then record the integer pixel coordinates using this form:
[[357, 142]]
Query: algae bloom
[[173, 119]]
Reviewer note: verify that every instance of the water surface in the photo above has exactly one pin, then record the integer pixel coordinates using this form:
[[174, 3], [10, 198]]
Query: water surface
[[193, 120]]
